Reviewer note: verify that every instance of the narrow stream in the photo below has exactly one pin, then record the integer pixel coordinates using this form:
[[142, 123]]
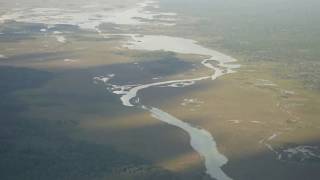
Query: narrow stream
[[91, 15], [200, 140]]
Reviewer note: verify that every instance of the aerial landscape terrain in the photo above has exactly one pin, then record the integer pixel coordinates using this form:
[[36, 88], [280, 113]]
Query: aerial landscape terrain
[[159, 90]]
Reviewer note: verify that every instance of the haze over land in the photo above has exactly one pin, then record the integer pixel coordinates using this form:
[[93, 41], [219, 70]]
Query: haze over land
[[168, 89]]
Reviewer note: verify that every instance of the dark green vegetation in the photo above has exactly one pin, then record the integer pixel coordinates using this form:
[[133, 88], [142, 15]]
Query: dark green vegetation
[[44, 113], [40, 111], [283, 32], [36, 123]]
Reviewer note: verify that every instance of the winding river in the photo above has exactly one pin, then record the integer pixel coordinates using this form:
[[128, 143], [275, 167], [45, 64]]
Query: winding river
[[91, 15], [200, 139]]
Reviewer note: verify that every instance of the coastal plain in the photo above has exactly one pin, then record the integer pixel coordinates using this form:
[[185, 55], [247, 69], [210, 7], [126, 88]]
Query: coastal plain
[[58, 123]]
